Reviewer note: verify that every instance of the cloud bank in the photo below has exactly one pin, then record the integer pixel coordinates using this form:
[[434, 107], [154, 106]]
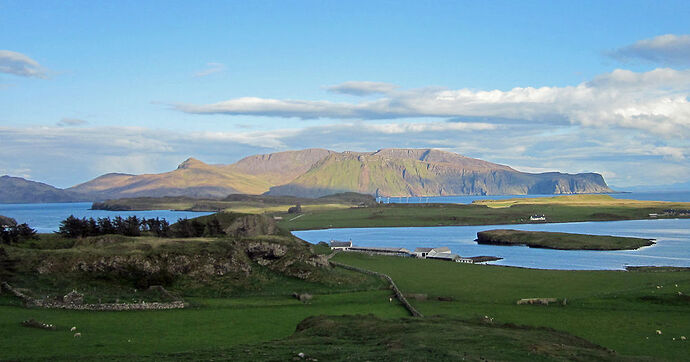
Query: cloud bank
[[66, 156], [666, 49], [20, 65], [362, 88], [654, 101]]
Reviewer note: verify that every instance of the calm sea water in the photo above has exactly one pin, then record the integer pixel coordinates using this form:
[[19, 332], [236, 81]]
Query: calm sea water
[[676, 196], [672, 246], [45, 218]]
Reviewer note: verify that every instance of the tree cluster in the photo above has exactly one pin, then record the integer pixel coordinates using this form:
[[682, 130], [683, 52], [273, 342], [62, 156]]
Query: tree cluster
[[73, 227], [15, 233]]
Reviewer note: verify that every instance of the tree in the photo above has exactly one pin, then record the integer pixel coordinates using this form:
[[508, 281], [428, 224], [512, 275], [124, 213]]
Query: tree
[[25, 232], [297, 209], [214, 228], [72, 227]]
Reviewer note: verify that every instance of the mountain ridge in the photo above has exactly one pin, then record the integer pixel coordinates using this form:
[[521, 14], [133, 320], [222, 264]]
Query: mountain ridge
[[318, 172]]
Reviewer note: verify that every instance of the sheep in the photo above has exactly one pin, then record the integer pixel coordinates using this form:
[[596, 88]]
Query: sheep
[[682, 338], [658, 331], [73, 329], [390, 300], [77, 335]]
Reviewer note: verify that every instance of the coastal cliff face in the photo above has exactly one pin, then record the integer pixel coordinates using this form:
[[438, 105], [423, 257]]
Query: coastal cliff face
[[430, 173], [318, 172]]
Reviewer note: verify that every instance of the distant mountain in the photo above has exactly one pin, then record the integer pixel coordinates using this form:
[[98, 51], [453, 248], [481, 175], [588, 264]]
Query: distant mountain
[[251, 175], [415, 172], [315, 173], [19, 190]]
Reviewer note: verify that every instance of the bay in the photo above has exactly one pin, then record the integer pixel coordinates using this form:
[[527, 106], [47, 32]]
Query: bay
[[45, 218], [672, 246]]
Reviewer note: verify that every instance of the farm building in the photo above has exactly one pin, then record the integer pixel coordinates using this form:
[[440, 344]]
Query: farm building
[[381, 251], [451, 257], [426, 252], [340, 245], [537, 218]]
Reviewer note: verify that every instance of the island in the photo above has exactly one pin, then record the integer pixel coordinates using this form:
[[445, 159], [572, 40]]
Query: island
[[560, 241]]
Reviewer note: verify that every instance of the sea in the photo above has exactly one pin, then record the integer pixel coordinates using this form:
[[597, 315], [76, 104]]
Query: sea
[[46, 218], [672, 236]]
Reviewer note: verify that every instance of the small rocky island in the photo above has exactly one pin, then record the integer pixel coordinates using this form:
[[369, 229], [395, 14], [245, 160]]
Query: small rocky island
[[561, 241]]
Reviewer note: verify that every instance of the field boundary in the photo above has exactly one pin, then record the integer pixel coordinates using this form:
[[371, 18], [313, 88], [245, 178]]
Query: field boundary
[[32, 302], [398, 294]]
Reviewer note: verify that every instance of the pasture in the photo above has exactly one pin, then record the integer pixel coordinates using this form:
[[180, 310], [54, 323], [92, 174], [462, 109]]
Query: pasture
[[620, 310]]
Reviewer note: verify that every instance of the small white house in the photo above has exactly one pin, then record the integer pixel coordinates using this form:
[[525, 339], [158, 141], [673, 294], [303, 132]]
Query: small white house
[[537, 218], [340, 245], [427, 252]]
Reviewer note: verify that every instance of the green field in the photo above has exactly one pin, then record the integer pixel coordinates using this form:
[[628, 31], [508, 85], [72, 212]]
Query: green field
[[557, 209], [212, 324], [616, 309], [562, 241]]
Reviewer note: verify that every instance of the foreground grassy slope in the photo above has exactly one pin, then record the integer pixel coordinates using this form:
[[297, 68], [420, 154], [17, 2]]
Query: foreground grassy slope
[[212, 324], [367, 338], [616, 309], [561, 241], [558, 209]]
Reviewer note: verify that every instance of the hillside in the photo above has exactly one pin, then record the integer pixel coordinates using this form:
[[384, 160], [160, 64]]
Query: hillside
[[19, 190], [319, 172], [401, 172]]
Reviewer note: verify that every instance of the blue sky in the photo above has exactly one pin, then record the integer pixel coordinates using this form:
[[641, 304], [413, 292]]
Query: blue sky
[[138, 86]]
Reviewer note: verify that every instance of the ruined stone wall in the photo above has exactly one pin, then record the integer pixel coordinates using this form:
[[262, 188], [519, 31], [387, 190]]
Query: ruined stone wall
[[32, 302]]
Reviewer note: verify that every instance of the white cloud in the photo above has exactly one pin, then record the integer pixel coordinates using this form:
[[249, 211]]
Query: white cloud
[[20, 65], [654, 101], [66, 156], [665, 49], [211, 68], [362, 88], [71, 122]]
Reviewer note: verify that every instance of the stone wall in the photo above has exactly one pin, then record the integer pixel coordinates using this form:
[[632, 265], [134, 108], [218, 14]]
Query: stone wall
[[398, 294], [32, 302]]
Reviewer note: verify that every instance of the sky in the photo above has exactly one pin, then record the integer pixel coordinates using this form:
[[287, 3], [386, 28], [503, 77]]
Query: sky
[[88, 88]]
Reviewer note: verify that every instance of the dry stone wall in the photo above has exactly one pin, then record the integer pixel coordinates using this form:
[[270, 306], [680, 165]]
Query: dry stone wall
[[398, 294], [33, 302]]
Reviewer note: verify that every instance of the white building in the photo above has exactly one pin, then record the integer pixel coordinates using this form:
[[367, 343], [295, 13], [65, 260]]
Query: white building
[[340, 245], [427, 252]]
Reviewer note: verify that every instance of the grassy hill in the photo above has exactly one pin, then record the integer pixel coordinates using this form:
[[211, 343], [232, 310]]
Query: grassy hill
[[620, 310]]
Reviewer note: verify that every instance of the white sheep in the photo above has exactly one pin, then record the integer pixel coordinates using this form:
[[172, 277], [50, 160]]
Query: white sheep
[[77, 335], [73, 329], [658, 331], [682, 338]]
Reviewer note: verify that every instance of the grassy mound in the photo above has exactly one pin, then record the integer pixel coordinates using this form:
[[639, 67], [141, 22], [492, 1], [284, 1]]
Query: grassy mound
[[368, 338], [562, 241], [620, 310]]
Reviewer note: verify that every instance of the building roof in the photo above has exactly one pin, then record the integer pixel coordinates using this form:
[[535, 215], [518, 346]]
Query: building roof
[[340, 244], [444, 256], [384, 250], [442, 249]]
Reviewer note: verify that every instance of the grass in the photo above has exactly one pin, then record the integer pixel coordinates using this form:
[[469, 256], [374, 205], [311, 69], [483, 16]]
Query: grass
[[557, 209], [562, 241], [581, 200], [212, 324], [616, 309], [368, 338]]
